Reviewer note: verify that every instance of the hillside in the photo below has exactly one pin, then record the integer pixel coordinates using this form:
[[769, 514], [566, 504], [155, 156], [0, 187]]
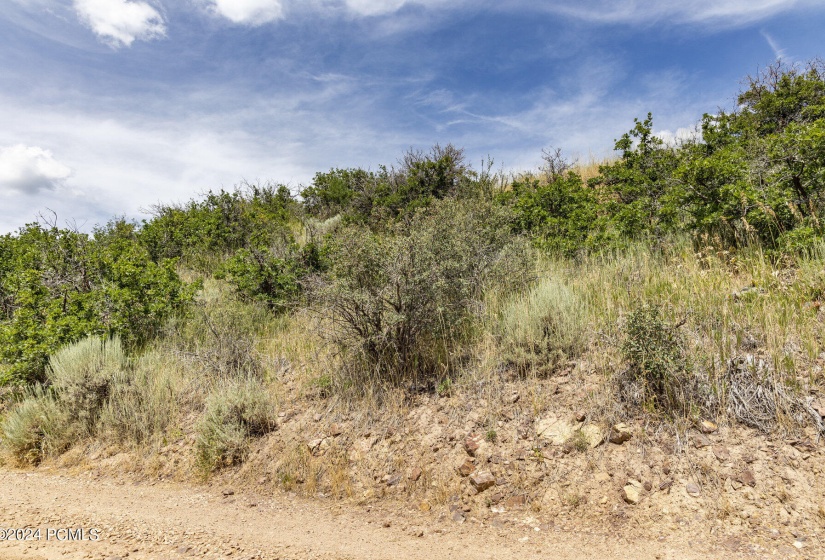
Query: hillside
[[632, 353]]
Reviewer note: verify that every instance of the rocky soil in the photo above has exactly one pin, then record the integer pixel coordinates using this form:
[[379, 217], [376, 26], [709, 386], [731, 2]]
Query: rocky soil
[[496, 470], [166, 521]]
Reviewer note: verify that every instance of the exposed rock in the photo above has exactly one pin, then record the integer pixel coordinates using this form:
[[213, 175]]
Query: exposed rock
[[648, 486], [632, 492], [483, 480], [746, 477], [458, 517], [592, 434], [693, 489], [393, 480], [466, 468], [666, 468], [314, 445], [335, 430], [556, 430], [471, 444], [514, 502], [620, 433], [580, 416], [317, 417], [415, 474], [707, 427], [701, 440], [721, 453], [228, 492]]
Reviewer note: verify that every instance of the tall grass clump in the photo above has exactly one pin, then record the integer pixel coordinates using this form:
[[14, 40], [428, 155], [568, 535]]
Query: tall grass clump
[[143, 404], [219, 333], [35, 429], [543, 326], [235, 411]]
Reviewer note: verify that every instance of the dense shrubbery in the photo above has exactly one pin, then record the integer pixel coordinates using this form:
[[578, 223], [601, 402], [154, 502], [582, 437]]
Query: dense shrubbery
[[58, 285], [253, 217], [753, 175], [376, 198]]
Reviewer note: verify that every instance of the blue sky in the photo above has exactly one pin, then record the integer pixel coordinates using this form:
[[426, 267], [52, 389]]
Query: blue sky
[[109, 106]]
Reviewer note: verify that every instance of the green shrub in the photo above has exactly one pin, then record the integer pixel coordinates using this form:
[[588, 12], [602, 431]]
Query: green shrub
[[400, 303], [543, 327], [36, 428], [657, 366], [376, 198], [83, 375], [275, 276], [236, 411], [58, 286], [562, 214]]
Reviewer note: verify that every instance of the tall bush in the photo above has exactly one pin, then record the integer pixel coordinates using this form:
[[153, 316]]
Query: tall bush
[[399, 303]]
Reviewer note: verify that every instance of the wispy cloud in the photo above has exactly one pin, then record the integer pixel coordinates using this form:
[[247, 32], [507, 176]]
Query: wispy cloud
[[29, 170], [726, 13], [248, 12], [121, 22], [778, 51]]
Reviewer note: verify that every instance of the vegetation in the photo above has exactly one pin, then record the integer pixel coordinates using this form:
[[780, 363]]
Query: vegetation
[[688, 276]]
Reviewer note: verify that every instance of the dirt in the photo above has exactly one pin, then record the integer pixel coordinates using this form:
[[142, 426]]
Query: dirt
[[170, 521]]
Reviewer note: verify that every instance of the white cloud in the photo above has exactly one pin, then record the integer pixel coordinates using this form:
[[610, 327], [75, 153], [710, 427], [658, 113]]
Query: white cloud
[[121, 22], [30, 169], [721, 12], [374, 7], [250, 12], [680, 136]]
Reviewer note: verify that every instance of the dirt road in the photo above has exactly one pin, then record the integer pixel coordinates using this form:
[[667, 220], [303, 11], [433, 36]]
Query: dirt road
[[162, 521]]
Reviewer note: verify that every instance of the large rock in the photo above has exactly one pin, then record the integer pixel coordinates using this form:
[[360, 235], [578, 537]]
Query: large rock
[[632, 492], [482, 480], [592, 434], [746, 477], [466, 468], [620, 433], [556, 430], [472, 443]]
